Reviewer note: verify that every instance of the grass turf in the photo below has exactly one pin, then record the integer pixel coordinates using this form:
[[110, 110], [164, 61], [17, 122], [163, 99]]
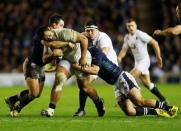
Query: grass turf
[[114, 119]]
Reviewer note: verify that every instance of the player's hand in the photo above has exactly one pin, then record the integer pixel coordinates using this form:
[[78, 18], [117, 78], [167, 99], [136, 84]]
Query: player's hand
[[160, 64], [157, 32], [57, 53], [83, 62], [71, 45]]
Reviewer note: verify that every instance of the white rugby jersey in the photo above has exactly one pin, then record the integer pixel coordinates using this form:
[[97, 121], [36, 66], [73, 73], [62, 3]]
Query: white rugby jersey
[[138, 44], [103, 40], [72, 55]]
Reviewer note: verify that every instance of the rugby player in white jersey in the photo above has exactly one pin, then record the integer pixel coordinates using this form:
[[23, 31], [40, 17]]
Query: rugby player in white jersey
[[64, 71], [102, 41], [137, 41]]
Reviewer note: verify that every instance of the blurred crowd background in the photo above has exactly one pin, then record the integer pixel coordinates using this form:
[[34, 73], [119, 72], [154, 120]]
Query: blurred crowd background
[[19, 19]]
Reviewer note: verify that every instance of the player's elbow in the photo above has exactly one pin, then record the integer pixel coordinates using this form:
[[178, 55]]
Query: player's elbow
[[175, 32]]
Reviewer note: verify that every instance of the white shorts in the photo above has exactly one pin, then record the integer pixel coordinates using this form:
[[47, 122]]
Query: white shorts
[[124, 84], [67, 65], [143, 66]]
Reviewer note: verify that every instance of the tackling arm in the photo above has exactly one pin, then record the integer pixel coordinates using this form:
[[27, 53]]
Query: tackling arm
[[169, 31], [93, 69], [55, 44]]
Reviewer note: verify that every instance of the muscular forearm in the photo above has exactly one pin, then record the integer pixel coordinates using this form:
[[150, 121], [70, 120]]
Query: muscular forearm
[[90, 70], [168, 31], [56, 44], [156, 49]]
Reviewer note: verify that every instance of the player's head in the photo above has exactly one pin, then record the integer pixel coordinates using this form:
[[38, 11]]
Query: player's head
[[56, 21], [178, 10], [45, 33], [40, 32], [91, 29], [131, 26]]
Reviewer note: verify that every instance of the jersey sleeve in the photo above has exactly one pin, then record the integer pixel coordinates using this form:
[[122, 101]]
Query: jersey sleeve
[[105, 41], [144, 37], [125, 44]]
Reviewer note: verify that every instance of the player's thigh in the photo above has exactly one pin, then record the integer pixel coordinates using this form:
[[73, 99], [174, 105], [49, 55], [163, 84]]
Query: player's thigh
[[142, 66], [135, 73], [41, 86], [83, 82], [63, 72], [145, 79], [33, 75], [64, 67], [135, 96]]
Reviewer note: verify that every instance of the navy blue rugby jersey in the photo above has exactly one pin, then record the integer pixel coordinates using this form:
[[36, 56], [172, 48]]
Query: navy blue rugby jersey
[[37, 51], [108, 70]]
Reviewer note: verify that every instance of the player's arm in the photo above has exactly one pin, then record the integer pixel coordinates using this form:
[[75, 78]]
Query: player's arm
[[48, 55], [55, 44], [169, 31], [84, 45], [156, 48], [122, 54], [93, 69]]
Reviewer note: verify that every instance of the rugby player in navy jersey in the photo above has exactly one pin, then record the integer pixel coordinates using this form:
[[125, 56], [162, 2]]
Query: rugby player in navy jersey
[[34, 76], [127, 91], [172, 30]]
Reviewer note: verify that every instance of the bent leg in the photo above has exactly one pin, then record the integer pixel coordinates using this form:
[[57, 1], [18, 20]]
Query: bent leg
[[149, 85]]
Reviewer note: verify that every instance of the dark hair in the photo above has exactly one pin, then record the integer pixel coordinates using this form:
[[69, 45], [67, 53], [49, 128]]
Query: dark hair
[[40, 32], [91, 24], [179, 5], [130, 20], [55, 18]]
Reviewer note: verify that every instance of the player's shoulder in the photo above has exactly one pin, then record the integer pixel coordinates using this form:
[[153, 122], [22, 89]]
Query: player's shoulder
[[141, 34], [103, 35]]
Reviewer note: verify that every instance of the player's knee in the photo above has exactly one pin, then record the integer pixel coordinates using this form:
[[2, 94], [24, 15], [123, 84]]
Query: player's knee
[[60, 79], [34, 94], [139, 102], [130, 112]]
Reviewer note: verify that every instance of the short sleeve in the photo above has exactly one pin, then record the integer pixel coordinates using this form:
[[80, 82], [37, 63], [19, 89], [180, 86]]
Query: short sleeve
[[105, 41], [144, 37], [125, 44]]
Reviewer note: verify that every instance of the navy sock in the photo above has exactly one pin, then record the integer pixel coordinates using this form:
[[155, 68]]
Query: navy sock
[[82, 99], [145, 111], [51, 105], [157, 93], [162, 105]]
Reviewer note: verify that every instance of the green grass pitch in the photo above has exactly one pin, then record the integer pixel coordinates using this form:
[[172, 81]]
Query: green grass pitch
[[114, 119]]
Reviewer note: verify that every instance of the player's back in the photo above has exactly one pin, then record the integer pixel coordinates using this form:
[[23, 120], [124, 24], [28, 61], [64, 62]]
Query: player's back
[[37, 51], [103, 40], [65, 34], [108, 70]]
